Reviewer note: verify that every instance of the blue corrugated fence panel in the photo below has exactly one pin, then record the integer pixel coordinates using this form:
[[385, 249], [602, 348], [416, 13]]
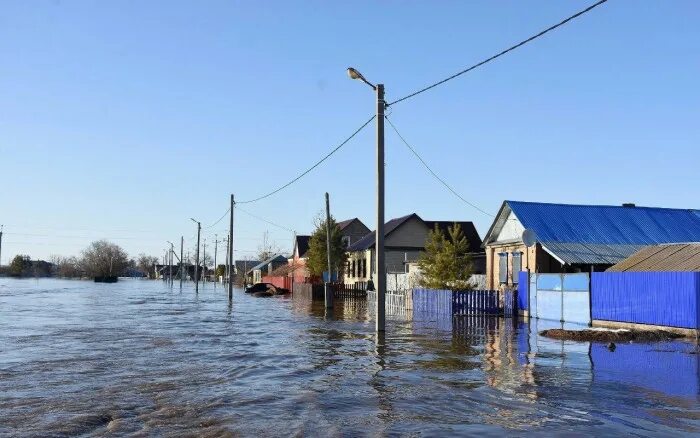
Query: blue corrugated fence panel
[[523, 283], [658, 298]]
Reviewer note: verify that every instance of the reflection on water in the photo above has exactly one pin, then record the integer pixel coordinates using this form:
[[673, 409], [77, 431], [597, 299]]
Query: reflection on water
[[136, 357]]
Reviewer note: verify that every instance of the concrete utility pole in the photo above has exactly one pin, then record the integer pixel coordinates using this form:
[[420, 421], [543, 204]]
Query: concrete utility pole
[[196, 258], [328, 289], [226, 262], [182, 262], [170, 265], [204, 261], [216, 250], [171, 258], [230, 251], [380, 269], [379, 239]]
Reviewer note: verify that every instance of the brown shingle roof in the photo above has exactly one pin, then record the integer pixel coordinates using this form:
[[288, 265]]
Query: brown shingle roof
[[683, 257]]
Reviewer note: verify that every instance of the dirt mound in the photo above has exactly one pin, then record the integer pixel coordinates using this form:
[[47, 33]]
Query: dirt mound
[[619, 335]]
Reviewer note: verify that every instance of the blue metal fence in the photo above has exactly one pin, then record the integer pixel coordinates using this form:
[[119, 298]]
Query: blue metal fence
[[447, 302], [657, 298], [523, 290], [432, 301], [472, 301]]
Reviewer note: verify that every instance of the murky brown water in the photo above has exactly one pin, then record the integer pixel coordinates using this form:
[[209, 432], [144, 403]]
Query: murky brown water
[[136, 358]]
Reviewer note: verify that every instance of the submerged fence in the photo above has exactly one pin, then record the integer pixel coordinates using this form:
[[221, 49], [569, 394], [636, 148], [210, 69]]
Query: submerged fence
[[399, 300], [316, 292], [447, 302]]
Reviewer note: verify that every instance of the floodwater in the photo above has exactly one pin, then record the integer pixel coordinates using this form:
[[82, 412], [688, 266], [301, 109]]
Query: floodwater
[[137, 358]]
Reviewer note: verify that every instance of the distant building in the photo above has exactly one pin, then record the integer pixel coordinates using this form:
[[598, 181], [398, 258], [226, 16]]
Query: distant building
[[404, 240], [301, 247], [352, 230], [266, 267], [577, 238]]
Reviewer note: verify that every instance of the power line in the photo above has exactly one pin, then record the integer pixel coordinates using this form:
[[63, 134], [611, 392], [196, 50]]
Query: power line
[[454, 192], [521, 43], [265, 220], [220, 219], [310, 168], [54, 236]]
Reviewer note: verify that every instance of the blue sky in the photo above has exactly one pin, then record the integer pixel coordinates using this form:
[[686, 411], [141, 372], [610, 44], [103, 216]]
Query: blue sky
[[124, 119]]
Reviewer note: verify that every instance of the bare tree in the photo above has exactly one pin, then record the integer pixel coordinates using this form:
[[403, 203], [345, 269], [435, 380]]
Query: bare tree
[[267, 249], [145, 264], [66, 266], [104, 259]]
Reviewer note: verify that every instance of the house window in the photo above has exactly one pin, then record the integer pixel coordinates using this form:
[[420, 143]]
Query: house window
[[503, 267], [347, 268], [517, 266], [353, 269], [346, 241], [364, 267]]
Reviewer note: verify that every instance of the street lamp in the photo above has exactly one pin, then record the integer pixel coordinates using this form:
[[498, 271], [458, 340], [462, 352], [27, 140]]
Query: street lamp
[[379, 237], [196, 258]]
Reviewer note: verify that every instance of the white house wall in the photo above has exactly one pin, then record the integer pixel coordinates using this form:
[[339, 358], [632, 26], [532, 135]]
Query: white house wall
[[512, 230]]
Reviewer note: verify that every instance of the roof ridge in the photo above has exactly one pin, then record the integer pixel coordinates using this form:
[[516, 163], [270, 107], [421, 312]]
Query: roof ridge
[[559, 204]]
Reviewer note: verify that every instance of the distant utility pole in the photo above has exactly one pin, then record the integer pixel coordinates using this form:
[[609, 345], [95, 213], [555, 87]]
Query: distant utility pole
[[1, 227], [170, 262], [230, 251], [225, 258], [196, 258], [328, 289], [182, 261], [204, 261], [216, 251], [170, 265]]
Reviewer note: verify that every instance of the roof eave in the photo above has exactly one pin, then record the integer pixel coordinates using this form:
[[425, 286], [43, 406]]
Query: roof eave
[[493, 224]]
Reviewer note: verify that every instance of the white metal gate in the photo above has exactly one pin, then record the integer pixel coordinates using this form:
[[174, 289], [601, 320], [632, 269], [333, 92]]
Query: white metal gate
[[561, 297]]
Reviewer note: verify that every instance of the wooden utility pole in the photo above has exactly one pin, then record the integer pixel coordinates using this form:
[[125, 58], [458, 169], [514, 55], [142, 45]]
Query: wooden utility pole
[[328, 289], [230, 251], [1, 227]]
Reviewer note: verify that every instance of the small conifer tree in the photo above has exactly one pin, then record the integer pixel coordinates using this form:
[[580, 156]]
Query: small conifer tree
[[317, 262], [446, 262]]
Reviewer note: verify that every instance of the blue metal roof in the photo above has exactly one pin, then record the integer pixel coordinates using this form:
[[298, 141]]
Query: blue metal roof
[[604, 234]]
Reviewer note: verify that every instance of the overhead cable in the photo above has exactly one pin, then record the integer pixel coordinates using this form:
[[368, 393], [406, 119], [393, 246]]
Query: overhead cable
[[219, 220], [310, 168], [435, 175], [511, 48], [265, 220]]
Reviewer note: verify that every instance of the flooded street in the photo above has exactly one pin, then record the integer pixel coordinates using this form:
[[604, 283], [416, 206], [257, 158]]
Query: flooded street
[[139, 358]]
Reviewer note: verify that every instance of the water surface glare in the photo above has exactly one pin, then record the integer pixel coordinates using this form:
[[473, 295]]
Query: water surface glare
[[139, 358]]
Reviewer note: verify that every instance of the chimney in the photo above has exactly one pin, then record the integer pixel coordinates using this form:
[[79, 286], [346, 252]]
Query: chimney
[[628, 204]]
